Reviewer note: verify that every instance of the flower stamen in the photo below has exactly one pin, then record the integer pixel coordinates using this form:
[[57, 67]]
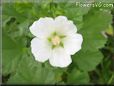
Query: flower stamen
[[55, 40]]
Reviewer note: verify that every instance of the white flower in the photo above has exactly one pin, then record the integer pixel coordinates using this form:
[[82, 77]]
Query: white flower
[[55, 40]]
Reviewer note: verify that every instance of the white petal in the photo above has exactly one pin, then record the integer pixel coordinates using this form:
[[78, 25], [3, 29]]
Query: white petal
[[43, 27], [72, 43], [60, 58], [40, 49], [61, 19], [64, 26]]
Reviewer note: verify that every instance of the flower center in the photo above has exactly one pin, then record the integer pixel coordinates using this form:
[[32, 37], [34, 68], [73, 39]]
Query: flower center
[[55, 40]]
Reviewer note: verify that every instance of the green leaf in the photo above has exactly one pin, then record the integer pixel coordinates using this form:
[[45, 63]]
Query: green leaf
[[30, 71], [16, 10], [78, 77], [10, 54], [94, 23], [75, 13]]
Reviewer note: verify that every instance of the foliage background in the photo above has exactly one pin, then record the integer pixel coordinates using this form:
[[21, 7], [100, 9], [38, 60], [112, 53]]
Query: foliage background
[[93, 64]]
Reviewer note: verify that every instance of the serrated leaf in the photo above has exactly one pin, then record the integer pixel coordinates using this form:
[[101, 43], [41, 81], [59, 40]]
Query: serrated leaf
[[78, 77], [31, 72], [12, 10], [76, 13], [10, 54], [94, 23]]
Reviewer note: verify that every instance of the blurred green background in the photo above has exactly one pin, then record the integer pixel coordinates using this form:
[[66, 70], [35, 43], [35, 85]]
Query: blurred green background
[[93, 64]]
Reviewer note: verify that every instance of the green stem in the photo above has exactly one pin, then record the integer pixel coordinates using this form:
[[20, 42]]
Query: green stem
[[111, 78]]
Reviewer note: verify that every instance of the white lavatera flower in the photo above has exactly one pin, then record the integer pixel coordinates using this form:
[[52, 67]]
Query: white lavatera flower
[[55, 40]]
